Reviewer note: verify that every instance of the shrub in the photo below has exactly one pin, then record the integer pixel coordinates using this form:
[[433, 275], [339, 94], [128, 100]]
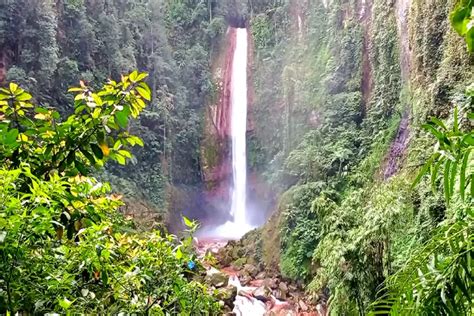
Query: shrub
[[64, 246]]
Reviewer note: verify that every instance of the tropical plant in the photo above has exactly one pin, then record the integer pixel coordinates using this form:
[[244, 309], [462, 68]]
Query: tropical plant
[[437, 278], [462, 21], [451, 156], [64, 246]]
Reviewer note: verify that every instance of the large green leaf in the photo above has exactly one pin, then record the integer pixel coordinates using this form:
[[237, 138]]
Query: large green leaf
[[88, 155], [80, 166], [144, 90], [11, 136], [446, 180], [121, 118], [460, 18], [462, 175]]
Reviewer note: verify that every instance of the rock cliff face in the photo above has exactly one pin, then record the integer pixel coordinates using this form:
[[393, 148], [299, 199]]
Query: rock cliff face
[[216, 148], [348, 82]]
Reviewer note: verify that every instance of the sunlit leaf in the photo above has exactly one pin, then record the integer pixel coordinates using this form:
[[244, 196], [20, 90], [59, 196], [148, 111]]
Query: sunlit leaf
[[460, 18], [41, 116], [65, 303], [13, 87], [120, 159], [470, 39], [188, 222], [145, 93], [23, 97], [133, 76], [179, 253]]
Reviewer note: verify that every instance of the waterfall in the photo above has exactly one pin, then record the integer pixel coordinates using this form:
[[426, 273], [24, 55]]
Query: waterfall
[[239, 127], [239, 223]]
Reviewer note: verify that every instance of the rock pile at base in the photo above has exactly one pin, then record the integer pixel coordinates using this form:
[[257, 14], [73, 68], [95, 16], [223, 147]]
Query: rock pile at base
[[254, 282]]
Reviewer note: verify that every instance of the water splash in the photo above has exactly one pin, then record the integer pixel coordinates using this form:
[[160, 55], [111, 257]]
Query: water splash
[[246, 305]]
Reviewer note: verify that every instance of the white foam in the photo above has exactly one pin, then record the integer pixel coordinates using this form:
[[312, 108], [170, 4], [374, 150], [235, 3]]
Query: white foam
[[228, 230]]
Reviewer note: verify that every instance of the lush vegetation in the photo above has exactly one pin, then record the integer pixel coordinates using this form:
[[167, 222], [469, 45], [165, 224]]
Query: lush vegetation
[[363, 129], [349, 146], [64, 245], [47, 46]]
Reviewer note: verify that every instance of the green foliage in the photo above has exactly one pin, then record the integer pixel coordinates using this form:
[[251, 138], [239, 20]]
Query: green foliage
[[37, 136], [437, 278], [299, 231], [336, 128], [452, 156], [49, 45], [64, 246], [357, 247], [262, 32], [461, 20]]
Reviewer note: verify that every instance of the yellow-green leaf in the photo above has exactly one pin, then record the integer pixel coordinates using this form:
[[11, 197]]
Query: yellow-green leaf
[[144, 92], [13, 87]]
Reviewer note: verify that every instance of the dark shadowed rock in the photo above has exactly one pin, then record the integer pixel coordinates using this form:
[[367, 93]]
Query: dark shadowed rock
[[279, 294], [263, 292]]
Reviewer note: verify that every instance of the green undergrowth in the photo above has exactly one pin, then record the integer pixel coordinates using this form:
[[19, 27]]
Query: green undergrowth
[[340, 226], [65, 247]]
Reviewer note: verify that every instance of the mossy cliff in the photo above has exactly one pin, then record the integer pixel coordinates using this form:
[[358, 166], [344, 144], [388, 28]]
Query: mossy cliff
[[341, 88]]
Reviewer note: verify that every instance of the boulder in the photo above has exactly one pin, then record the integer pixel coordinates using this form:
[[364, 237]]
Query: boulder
[[283, 287], [216, 278], [262, 293], [227, 295], [282, 291], [224, 258], [245, 280], [279, 294], [261, 275], [239, 263], [236, 252], [250, 269], [303, 306], [271, 283]]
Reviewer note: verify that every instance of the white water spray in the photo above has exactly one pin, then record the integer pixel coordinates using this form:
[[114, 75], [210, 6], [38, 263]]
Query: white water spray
[[239, 128], [239, 225]]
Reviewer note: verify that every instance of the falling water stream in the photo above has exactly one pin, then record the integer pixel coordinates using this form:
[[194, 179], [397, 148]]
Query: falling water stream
[[239, 224], [239, 128], [246, 303]]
